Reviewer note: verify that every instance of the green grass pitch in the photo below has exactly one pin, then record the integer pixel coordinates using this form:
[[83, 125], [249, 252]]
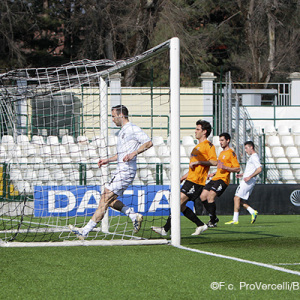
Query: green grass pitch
[[164, 272]]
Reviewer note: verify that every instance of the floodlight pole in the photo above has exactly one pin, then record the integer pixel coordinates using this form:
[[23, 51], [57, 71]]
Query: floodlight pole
[[175, 139]]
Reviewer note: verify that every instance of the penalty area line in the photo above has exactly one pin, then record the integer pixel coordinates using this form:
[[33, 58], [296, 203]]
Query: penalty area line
[[241, 260]]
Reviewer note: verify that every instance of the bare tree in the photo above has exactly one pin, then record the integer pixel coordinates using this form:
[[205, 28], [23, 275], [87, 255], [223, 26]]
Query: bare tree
[[266, 25], [12, 16]]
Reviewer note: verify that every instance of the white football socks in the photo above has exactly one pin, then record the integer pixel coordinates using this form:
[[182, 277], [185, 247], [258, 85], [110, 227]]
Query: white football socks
[[235, 216], [129, 211], [250, 210], [89, 227]]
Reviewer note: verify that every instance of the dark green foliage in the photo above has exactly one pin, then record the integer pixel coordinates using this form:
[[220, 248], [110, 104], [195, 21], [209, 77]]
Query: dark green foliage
[[258, 41]]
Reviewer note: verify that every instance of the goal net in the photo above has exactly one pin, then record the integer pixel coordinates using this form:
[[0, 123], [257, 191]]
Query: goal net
[[55, 125]]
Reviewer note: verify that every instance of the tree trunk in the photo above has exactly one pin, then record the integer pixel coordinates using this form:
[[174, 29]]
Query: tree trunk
[[272, 39], [145, 23]]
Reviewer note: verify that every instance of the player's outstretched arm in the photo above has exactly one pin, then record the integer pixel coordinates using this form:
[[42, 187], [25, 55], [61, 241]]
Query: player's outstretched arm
[[105, 161], [140, 150]]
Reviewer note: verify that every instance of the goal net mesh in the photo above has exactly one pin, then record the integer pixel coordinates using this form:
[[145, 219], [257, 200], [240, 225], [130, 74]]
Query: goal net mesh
[[55, 125]]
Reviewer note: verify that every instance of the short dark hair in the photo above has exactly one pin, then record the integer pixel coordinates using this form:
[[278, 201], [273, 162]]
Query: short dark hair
[[121, 109], [205, 126], [250, 143], [225, 135]]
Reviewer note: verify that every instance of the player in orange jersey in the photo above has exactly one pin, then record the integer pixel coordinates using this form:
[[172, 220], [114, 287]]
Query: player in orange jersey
[[227, 163], [202, 157]]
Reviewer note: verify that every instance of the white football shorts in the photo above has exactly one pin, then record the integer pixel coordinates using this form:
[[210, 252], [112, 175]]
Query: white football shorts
[[120, 181], [245, 189]]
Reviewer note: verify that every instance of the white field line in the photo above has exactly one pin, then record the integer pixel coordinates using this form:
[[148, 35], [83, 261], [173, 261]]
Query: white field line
[[287, 264], [241, 260]]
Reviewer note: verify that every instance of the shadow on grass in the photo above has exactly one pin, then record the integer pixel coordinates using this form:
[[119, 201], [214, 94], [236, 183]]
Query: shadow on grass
[[220, 236]]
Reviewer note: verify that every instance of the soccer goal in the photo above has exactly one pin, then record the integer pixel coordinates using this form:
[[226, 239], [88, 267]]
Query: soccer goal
[[55, 124]]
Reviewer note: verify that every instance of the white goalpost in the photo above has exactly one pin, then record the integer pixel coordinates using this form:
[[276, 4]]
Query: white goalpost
[[55, 124]]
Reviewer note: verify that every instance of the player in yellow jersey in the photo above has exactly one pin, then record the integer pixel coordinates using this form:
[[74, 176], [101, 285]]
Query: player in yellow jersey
[[202, 157], [227, 163]]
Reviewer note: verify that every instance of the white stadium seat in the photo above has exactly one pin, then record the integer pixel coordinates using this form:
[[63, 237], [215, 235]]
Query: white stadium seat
[[89, 174], [141, 162], [158, 141], [282, 163], [189, 150], [270, 160], [52, 163], [74, 152], [22, 162], [188, 140], [270, 163], [137, 181], [67, 140], [30, 175], [44, 175], [297, 173], [166, 178], [182, 151], [37, 140], [7, 139], [169, 140], [22, 139], [295, 129], [28, 150], [112, 140], [36, 162], [96, 141], [184, 162], [15, 175], [267, 151], [216, 140], [150, 153], [270, 130], [297, 140], [44, 151], [92, 163], [278, 152], [146, 176], [14, 152], [283, 130], [287, 174], [152, 162], [291, 182], [273, 141], [58, 175], [82, 140], [163, 151], [166, 163], [59, 151], [273, 175], [72, 175], [219, 150], [295, 163], [89, 151], [23, 187], [98, 174], [258, 129], [66, 163], [291, 152], [52, 140], [287, 140]]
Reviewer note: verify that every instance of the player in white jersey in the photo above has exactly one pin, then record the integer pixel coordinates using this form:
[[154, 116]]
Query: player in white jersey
[[131, 142], [244, 190]]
